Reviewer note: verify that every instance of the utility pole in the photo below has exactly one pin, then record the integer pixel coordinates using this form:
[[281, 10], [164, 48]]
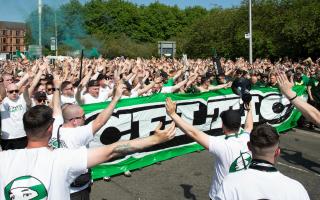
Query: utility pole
[[11, 44], [56, 31], [40, 13], [250, 33]]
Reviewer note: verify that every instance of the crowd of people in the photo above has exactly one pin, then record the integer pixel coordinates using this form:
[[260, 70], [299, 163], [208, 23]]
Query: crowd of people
[[43, 130]]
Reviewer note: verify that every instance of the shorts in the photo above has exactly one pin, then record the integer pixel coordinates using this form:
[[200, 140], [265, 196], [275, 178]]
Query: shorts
[[81, 195], [17, 143]]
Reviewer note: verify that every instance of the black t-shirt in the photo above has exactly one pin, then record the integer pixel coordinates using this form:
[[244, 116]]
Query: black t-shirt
[[315, 89]]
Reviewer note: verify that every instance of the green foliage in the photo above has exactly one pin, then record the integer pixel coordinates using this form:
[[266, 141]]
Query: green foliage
[[115, 28]]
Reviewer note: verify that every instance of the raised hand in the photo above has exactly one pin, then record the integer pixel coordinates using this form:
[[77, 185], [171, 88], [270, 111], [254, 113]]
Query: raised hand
[[170, 106], [119, 91], [166, 134], [285, 85], [56, 80]]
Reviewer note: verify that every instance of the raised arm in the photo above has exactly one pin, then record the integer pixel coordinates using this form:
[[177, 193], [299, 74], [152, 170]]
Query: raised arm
[[197, 135], [105, 153], [308, 111], [22, 80], [248, 125], [26, 96], [177, 75], [82, 87], [56, 102], [37, 78], [104, 116], [218, 87], [179, 85]]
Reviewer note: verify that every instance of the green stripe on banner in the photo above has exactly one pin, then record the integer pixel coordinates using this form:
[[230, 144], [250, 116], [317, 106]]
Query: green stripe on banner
[[137, 117], [136, 163]]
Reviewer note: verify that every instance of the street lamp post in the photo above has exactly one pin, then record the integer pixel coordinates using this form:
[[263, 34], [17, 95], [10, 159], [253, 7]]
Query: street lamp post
[[11, 44], [56, 31], [40, 13], [250, 33]]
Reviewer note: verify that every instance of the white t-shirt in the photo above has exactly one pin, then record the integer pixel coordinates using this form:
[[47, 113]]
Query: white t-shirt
[[71, 138], [133, 94], [88, 99], [166, 89], [229, 156], [104, 92], [253, 184], [40, 173], [67, 99], [11, 118], [50, 96]]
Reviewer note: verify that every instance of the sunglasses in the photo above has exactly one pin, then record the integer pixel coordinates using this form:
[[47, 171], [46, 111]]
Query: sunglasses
[[12, 91], [49, 89], [42, 100]]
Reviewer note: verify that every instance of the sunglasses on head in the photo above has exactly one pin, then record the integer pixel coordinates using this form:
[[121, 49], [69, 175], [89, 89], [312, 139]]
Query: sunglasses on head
[[42, 100], [12, 91]]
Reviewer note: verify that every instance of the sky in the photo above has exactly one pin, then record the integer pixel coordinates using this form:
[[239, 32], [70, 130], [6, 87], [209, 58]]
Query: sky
[[18, 10]]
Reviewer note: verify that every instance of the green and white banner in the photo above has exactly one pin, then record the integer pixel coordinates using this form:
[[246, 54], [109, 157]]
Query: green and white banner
[[138, 117]]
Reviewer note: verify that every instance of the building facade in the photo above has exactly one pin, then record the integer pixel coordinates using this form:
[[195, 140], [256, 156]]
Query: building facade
[[12, 37]]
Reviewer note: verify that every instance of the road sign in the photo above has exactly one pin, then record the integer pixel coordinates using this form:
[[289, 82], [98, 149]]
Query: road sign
[[35, 50], [167, 48], [53, 43]]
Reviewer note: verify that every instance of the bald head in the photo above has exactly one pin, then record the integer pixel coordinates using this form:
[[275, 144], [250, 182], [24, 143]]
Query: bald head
[[12, 91], [71, 111], [12, 86]]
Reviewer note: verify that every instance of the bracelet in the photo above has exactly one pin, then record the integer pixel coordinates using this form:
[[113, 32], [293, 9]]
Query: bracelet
[[56, 89], [293, 98]]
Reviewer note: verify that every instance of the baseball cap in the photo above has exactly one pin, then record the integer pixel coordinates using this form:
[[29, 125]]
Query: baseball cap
[[93, 83], [231, 119]]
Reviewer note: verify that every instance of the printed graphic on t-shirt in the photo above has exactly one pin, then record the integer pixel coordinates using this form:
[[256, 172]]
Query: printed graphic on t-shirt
[[240, 163], [25, 188], [15, 108], [53, 142]]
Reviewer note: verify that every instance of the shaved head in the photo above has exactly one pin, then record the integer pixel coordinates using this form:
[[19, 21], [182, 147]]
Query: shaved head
[[12, 86], [71, 111], [12, 91]]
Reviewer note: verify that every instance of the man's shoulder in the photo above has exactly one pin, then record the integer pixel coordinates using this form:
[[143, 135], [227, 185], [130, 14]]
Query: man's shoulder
[[289, 181]]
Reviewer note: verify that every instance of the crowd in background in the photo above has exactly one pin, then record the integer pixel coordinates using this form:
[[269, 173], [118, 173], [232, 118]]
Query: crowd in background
[[95, 80], [95, 83]]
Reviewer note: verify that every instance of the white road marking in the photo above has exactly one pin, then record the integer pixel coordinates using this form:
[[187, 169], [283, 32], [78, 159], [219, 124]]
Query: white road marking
[[302, 132], [296, 168]]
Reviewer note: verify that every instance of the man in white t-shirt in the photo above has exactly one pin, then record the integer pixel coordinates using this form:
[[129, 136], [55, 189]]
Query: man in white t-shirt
[[42, 173], [106, 87], [262, 180], [67, 93], [159, 88], [231, 152], [70, 132], [93, 93], [12, 109]]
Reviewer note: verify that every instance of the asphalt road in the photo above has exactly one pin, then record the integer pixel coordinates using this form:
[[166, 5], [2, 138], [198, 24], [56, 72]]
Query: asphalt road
[[189, 176]]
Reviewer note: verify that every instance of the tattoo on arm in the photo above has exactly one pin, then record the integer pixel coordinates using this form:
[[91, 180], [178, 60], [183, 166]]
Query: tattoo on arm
[[124, 149]]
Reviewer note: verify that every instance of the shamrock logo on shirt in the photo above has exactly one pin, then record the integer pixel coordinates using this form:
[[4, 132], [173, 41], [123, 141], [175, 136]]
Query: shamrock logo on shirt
[[53, 142], [25, 188], [240, 163]]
